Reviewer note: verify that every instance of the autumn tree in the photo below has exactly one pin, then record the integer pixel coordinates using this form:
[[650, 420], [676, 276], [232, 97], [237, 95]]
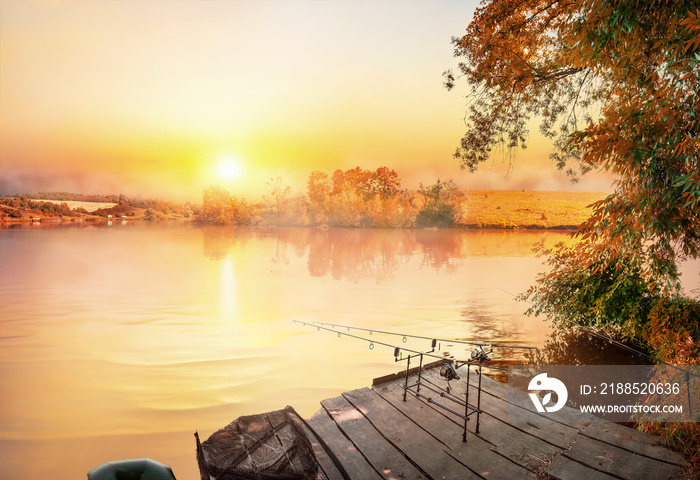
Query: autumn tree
[[354, 179], [358, 198], [383, 182], [187, 211], [615, 84], [215, 205], [318, 188], [218, 206], [442, 204], [152, 215], [277, 198], [118, 210]]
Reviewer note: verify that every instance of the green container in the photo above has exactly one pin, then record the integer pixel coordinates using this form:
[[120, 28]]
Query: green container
[[136, 469]]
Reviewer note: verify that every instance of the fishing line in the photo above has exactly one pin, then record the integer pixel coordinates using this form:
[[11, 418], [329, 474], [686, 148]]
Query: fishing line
[[478, 344], [372, 342]]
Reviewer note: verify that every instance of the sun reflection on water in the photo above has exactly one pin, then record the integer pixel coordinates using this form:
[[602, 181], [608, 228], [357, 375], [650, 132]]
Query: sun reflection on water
[[228, 290]]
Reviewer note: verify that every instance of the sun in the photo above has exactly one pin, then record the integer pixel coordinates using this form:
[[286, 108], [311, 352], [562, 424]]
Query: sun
[[229, 167]]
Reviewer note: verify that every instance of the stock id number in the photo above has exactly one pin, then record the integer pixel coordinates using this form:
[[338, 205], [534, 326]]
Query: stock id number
[[632, 389]]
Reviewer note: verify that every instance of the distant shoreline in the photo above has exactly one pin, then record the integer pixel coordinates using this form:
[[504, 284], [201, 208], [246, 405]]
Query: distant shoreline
[[485, 209]]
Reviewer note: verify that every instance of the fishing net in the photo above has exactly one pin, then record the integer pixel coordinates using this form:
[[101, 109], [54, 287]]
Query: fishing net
[[268, 446]]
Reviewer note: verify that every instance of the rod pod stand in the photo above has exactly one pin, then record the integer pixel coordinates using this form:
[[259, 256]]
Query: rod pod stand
[[468, 408]]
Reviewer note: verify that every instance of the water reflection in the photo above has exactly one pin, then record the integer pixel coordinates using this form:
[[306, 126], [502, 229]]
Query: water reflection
[[117, 336], [229, 290], [219, 241], [354, 254], [486, 324], [574, 347], [348, 254]]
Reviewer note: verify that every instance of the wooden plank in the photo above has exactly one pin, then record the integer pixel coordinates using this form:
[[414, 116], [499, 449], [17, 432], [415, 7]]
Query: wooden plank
[[608, 432], [420, 446], [622, 463], [554, 433], [344, 450], [595, 452], [481, 456], [402, 374], [567, 415], [526, 450], [382, 455], [563, 468], [630, 439], [328, 469]]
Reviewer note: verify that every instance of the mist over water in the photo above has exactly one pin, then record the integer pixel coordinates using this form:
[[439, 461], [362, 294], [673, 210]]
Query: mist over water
[[119, 342]]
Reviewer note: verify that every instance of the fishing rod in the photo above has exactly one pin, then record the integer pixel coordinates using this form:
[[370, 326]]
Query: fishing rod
[[405, 336], [479, 355], [448, 371]]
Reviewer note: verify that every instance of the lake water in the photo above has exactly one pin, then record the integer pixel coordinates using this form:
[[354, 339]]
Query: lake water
[[121, 341]]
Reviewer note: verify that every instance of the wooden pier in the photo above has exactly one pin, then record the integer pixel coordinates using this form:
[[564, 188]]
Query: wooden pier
[[373, 433]]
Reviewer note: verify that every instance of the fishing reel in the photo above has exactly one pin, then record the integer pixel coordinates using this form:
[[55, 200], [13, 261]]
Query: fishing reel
[[448, 371], [480, 355]]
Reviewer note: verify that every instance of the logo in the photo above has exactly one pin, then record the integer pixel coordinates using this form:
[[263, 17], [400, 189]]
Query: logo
[[542, 382]]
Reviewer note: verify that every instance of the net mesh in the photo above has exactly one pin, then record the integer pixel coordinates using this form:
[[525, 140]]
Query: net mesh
[[259, 447]]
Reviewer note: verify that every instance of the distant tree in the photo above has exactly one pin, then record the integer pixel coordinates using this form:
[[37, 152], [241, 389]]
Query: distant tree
[[216, 205], [384, 182], [442, 204], [396, 211], [219, 207], [347, 208], [355, 179], [357, 198], [318, 188], [118, 210], [277, 197], [298, 210], [242, 212], [187, 211], [153, 215]]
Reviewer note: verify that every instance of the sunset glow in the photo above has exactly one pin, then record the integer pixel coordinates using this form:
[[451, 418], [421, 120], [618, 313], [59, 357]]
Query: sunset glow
[[229, 167], [138, 97]]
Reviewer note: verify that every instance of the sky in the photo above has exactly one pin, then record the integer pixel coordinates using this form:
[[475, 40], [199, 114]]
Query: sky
[[163, 98]]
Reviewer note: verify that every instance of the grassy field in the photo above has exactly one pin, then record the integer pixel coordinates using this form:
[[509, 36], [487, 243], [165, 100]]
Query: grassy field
[[528, 209], [89, 206]]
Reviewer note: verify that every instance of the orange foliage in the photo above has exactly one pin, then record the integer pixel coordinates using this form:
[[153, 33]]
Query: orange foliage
[[358, 198], [616, 84]]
